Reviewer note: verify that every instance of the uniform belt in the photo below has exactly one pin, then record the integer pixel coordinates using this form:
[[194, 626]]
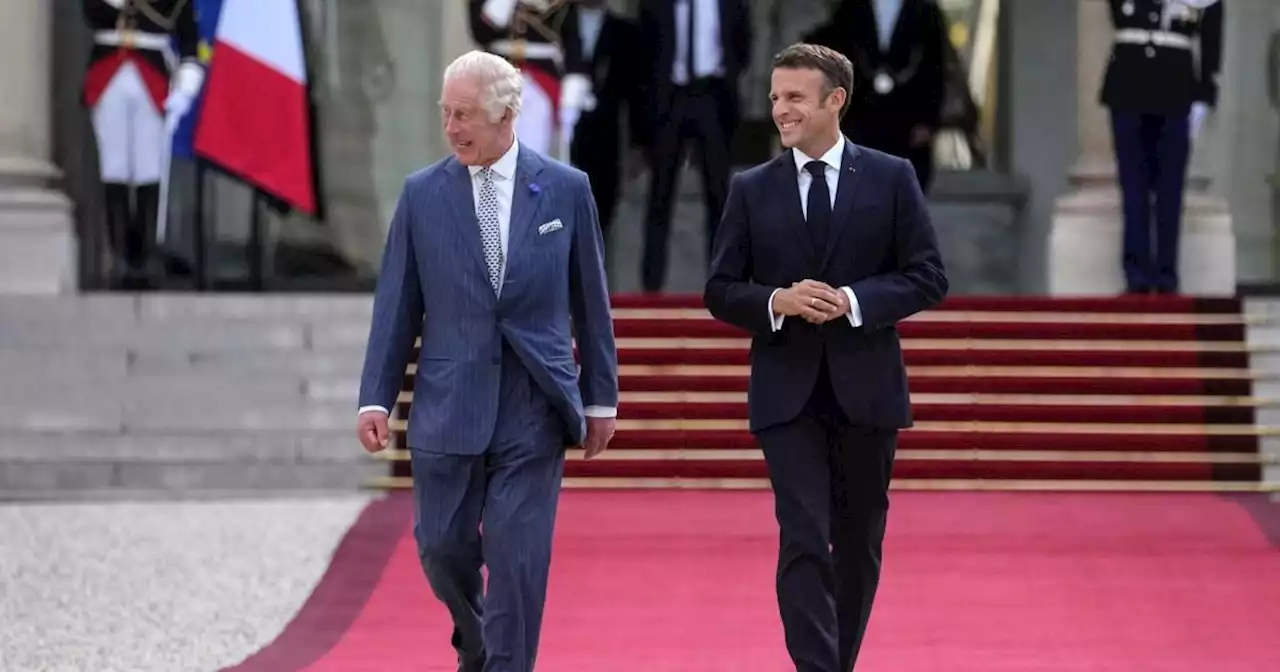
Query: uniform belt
[[135, 39], [523, 49], [1160, 38]]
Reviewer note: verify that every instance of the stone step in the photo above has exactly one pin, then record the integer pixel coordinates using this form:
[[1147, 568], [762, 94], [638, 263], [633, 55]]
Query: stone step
[[49, 465], [221, 387], [270, 416], [181, 308], [19, 366], [319, 309], [177, 446], [242, 335]]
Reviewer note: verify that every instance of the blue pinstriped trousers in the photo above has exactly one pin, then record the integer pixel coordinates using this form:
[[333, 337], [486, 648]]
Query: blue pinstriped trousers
[[512, 489]]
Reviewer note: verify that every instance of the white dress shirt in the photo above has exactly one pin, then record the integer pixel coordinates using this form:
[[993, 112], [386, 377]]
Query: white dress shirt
[[886, 12], [590, 23], [832, 158], [504, 179], [708, 58]]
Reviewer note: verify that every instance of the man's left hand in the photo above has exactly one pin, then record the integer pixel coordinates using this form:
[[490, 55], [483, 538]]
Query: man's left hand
[[599, 433], [835, 302]]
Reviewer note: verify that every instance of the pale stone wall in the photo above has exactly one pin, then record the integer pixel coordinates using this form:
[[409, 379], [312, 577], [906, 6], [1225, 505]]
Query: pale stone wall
[[37, 243]]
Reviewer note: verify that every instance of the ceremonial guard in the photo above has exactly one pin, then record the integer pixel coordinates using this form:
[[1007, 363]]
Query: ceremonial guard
[[530, 34], [610, 50], [1160, 83], [137, 88], [897, 50]]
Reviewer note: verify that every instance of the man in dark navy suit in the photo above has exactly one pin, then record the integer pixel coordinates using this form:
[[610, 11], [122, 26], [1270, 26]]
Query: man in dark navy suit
[[820, 253]]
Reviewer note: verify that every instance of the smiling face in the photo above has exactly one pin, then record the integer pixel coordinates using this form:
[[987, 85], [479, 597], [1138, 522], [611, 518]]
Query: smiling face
[[474, 136], [806, 109]]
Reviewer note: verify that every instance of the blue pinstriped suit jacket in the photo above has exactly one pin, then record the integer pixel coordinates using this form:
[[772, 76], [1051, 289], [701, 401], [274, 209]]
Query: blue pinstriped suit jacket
[[433, 282]]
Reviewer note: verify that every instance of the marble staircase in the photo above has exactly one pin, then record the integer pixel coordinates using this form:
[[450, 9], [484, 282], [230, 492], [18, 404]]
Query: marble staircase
[[179, 394]]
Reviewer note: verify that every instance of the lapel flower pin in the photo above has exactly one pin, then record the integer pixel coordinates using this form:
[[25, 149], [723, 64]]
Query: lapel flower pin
[[534, 188]]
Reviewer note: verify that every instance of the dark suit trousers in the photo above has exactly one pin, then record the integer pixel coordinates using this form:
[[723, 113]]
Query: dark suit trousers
[[514, 486], [696, 113], [830, 482], [1152, 151], [595, 151]]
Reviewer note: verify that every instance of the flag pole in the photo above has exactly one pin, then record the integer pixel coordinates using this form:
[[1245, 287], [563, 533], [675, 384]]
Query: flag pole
[[257, 282], [201, 241], [162, 208]]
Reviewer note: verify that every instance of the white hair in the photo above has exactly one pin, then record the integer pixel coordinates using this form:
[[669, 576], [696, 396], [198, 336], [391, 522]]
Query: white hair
[[502, 82]]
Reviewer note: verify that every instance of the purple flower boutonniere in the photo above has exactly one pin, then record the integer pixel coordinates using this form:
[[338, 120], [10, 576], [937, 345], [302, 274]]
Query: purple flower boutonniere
[[534, 188]]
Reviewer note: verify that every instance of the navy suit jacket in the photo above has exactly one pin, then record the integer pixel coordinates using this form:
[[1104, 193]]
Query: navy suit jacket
[[881, 245], [434, 283]]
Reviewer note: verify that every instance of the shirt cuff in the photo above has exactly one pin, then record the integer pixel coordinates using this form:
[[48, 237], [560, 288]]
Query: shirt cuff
[[855, 310], [600, 412], [774, 318], [366, 409]]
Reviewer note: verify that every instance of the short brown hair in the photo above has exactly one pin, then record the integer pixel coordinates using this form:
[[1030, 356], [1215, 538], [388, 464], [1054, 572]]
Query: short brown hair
[[836, 69]]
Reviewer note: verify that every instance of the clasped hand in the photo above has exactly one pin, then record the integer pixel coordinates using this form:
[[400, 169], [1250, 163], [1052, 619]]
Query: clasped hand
[[814, 301]]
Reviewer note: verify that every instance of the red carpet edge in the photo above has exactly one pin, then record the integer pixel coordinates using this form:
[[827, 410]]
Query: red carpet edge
[[344, 588]]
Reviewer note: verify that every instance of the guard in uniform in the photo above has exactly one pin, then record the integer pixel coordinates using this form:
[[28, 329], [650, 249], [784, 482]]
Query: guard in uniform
[[899, 83], [137, 89], [529, 34], [1159, 90]]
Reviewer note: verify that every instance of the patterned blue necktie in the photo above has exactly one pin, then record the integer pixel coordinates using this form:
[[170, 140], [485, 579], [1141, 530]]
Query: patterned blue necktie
[[490, 236]]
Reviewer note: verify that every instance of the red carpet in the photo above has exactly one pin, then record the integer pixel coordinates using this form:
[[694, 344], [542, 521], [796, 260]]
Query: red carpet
[[980, 582], [1125, 391]]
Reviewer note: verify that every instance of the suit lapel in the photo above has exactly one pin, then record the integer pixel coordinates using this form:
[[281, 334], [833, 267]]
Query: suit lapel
[[845, 196], [526, 200], [789, 183], [461, 208]]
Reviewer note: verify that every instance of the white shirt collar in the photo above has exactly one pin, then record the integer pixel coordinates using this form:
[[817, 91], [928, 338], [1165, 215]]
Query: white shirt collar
[[505, 166], [833, 157]]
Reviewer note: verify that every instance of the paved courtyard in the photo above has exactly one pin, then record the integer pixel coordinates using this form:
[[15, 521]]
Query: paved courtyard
[[169, 586]]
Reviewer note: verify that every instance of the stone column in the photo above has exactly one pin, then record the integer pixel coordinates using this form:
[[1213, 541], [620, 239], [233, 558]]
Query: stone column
[[37, 239], [1087, 228]]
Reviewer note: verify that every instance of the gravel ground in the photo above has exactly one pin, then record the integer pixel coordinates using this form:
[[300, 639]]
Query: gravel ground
[[166, 586]]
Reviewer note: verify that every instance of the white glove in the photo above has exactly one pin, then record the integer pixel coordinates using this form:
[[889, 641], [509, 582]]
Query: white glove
[[575, 92], [575, 97], [115, 3], [1196, 119], [186, 85], [498, 12]]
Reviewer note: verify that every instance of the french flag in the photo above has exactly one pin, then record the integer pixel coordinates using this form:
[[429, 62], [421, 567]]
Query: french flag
[[255, 121]]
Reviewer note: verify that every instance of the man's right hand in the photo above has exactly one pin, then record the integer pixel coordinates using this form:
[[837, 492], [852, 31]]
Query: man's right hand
[[371, 428], [815, 302]]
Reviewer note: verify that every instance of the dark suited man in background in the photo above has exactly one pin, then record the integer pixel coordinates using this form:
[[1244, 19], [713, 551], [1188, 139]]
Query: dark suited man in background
[[609, 57], [896, 47], [822, 251], [693, 53]]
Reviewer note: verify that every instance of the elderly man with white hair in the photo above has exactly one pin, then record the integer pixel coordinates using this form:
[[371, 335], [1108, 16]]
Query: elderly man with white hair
[[494, 258]]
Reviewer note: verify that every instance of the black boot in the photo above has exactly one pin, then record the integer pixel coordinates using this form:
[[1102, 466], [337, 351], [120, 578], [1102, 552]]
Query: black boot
[[118, 220], [143, 261]]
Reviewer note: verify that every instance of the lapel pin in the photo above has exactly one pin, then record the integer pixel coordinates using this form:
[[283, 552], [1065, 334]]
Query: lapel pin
[[534, 188]]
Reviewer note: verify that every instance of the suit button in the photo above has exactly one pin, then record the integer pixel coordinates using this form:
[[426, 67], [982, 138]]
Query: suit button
[[1151, 52]]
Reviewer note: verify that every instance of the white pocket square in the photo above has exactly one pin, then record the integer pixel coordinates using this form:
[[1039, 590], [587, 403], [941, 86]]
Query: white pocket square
[[553, 225]]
